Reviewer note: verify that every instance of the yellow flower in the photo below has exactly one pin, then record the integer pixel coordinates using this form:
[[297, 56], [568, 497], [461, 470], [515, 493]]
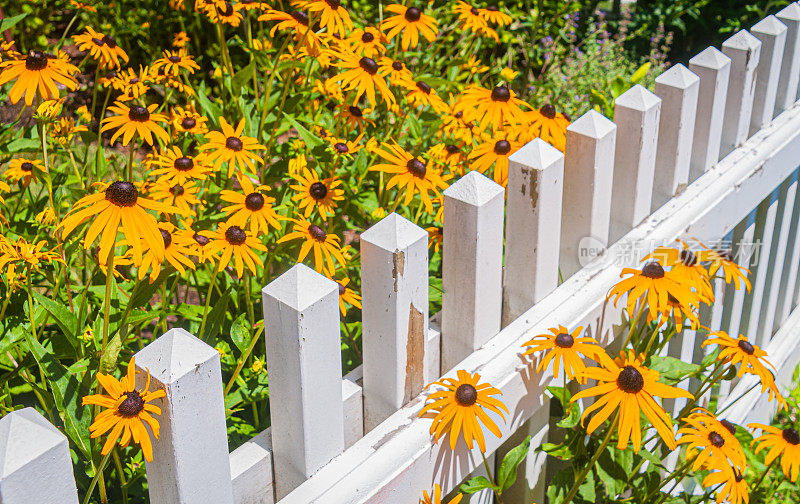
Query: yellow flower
[[233, 147], [361, 74], [137, 120], [565, 347], [37, 73], [102, 48], [233, 242], [176, 252], [317, 194], [64, 129], [547, 124], [783, 443], [22, 169], [653, 284], [325, 247], [411, 173], [436, 496], [498, 107], [508, 74], [411, 22], [48, 110], [250, 205], [258, 365]]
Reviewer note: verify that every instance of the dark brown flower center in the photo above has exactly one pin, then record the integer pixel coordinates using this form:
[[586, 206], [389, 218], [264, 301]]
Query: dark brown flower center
[[791, 436], [26, 166], [397, 65], [110, 41], [473, 11], [492, 8], [367, 37], [412, 14], [138, 113], [254, 202], [672, 299], [341, 148], [132, 405], [300, 17], [134, 80], [234, 143], [501, 94], [728, 425], [502, 147], [630, 380], [175, 58], [416, 168], [317, 190], [727, 255], [200, 239], [452, 149], [458, 115], [177, 190], [98, 42], [738, 476], [317, 233], [746, 347], [688, 258], [368, 65], [715, 439], [183, 163], [188, 123], [122, 194], [235, 235], [342, 288], [653, 270], [466, 395], [166, 237], [424, 87], [333, 3], [548, 111], [565, 340], [227, 11], [355, 111]]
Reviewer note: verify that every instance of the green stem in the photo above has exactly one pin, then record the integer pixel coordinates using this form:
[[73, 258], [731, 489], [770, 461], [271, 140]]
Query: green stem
[[491, 479], [97, 475], [243, 358], [634, 323], [120, 475], [588, 467], [107, 299], [208, 301]]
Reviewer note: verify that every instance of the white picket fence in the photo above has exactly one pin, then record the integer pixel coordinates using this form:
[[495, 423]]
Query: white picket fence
[[713, 154]]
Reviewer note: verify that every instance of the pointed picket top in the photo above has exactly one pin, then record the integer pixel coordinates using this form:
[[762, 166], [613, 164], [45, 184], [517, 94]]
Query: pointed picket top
[[536, 154], [678, 76], [592, 124], [393, 232], [711, 58], [770, 25], [637, 98], [174, 354], [742, 40], [24, 436], [300, 287], [790, 12], [474, 188]]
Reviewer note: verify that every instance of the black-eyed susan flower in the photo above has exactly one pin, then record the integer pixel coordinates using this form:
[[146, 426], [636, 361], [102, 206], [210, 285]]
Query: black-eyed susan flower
[[498, 107], [197, 243], [730, 484], [187, 120], [783, 443], [420, 94], [394, 70], [22, 169], [435, 237], [347, 296], [220, 12], [233, 242], [102, 48], [344, 147], [494, 15], [494, 151], [711, 442], [436, 496], [459, 409], [734, 273], [411, 22], [30, 255], [687, 267], [470, 19], [325, 246], [753, 360], [361, 74], [545, 123], [296, 22], [314, 193], [233, 147], [37, 73], [177, 249], [562, 347], [332, 14], [450, 155], [119, 204], [48, 110], [624, 384], [135, 120], [173, 62], [131, 83], [180, 39], [410, 173], [654, 285], [63, 130], [250, 205], [354, 116], [127, 410], [678, 313], [369, 42], [181, 197], [176, 167]]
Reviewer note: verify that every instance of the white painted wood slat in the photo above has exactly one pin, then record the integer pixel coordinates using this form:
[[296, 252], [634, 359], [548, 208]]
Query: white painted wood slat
[[772, 34], [790, 67], [713, 68], [744, 50]]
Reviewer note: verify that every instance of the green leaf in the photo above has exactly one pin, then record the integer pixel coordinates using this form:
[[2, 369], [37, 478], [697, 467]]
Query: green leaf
[[639, 74], [23, 144], [242, 76], [216, 316], [476, 484], [586, 490], [507, 474], [212, 111], [240, 333], [672, 369], [8, 23], [618, 86], [143, 292], [560, 485], [308, 137], [108, 363], [65, 319], [573, 419]]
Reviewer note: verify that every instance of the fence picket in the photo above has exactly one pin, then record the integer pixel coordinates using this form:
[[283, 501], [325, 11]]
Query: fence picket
[[35, 465], [533, 226], [636, 112], [743, 49], [301, 327], [251, 471], [678, 89], [472, 266], [791, 265], [190, 461], [394, 284], [790, 68], [772, 34], [713, 68], [588, 177]]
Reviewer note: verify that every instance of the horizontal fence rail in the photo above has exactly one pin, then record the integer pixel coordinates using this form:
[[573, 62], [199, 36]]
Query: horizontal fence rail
[[711, 154]]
